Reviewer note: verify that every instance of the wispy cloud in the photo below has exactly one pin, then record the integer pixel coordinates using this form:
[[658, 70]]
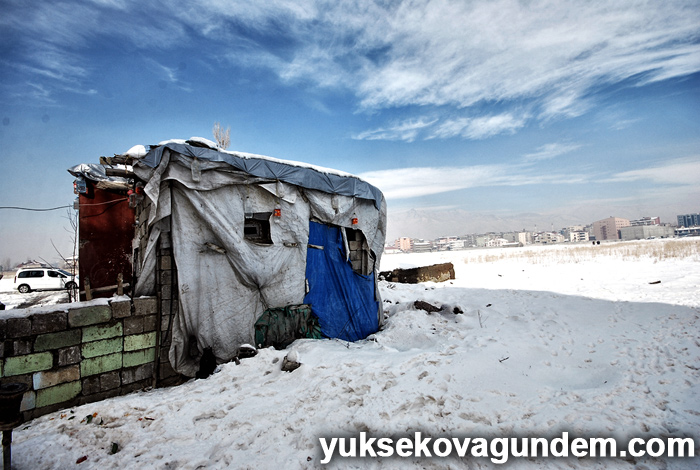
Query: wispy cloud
[[479, 127], [550, 56], [406, 131], [416, 182], [682, 171], [549, 151]]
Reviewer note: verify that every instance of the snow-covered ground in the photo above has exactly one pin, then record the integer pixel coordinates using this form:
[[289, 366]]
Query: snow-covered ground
[[551, 339]]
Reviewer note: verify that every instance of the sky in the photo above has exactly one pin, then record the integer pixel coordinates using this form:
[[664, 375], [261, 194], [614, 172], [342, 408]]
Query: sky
[[470, 116]]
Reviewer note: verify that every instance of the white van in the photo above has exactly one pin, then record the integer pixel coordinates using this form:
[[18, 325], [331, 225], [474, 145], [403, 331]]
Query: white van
[[29, 279]]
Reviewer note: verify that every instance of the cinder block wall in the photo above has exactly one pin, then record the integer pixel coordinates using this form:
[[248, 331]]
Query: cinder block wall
[[82, 353]]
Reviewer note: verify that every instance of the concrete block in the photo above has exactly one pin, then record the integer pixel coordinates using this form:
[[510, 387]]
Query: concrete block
[[49, 322], [149, 323], [166, 370], [94, 333], [135, 374], [166, 292], [102, 347], [133, 325], [52, 378], [166, 262], [21, 347], [28, 401], [18, 327], [69, 355], [91, 385], [57, 394], [27, 364], [57, 340], [121, 309], [110, 381], [100, 364], [145, 306], [137, 358], [142, 341], [89, 315]]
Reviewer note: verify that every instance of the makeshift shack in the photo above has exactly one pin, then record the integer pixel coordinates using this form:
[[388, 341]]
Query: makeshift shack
[[265, 250]]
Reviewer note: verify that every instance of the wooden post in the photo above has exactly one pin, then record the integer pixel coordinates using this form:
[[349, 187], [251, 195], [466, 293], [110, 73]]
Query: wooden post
[[88, 292], [120, 284]]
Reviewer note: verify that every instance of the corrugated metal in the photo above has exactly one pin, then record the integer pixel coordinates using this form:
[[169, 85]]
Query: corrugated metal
[[106, 229]]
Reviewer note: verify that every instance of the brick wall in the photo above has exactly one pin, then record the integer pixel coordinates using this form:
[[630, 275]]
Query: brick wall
[[85, 352]]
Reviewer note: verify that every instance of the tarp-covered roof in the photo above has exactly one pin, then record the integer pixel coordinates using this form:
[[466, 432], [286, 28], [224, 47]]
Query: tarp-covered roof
[[305, 176]]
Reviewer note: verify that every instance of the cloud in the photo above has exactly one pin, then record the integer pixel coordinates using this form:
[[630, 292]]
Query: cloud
[[549, 151], [682, 171], [548, 56], [406, 131], [479, 127], [407, 183]]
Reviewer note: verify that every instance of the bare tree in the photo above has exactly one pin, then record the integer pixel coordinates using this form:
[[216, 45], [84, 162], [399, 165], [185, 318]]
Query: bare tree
[[222, 137]]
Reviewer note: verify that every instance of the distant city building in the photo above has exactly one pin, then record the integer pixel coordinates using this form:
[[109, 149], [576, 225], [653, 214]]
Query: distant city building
[[579, 236], [645, 221], [548, 237], [688, 231], [457, 244], [391, 249], [404, 244], [689, 220], [609, 229], [494, 242], [574, 233], [421, 246], [641, 232]]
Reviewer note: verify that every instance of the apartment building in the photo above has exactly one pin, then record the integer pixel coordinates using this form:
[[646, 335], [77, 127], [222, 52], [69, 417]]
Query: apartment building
[[609, 229], [689, 220]]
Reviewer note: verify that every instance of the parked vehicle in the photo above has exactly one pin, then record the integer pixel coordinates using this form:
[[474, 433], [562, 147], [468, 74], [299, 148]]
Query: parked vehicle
[[29, 279]]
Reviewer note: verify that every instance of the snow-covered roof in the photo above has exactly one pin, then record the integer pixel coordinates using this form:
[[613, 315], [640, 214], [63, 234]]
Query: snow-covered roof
[[297, 173]]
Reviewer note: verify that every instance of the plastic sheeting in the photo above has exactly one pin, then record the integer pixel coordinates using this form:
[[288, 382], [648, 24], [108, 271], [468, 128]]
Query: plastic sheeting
[[308, 176], [343, 300], [225, 280]]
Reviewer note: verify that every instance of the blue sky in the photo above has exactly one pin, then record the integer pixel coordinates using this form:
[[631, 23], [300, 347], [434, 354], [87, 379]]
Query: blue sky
[[469, 116]]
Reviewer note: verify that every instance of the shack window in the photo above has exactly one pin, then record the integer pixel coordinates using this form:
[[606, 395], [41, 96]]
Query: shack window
[[257, 227], [360, 255]]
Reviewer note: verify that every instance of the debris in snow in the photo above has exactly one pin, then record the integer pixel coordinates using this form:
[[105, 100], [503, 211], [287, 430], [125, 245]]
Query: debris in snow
[[422, 305], [291, 362], [655, 282], [435, 273], [246, 351]]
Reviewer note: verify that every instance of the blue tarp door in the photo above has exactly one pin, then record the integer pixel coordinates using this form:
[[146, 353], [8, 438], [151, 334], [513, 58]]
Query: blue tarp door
[[342, 299]]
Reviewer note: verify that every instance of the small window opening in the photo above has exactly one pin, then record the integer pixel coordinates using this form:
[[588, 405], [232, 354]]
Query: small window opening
[[360, 255], [257, 227]]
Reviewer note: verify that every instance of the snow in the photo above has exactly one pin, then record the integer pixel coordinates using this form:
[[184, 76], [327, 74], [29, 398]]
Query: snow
[[137, 151], [550, 340]]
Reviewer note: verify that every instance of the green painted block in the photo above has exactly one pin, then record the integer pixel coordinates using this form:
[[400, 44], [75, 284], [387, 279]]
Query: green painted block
[[137, 358], [62, 339], [57, 394], [100, 364], [142, 341], [89, 315], [19, 365], [95, 333], [102, 347]]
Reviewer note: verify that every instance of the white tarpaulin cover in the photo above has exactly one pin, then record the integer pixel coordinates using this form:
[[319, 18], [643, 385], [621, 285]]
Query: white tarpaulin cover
[[225, 280]]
